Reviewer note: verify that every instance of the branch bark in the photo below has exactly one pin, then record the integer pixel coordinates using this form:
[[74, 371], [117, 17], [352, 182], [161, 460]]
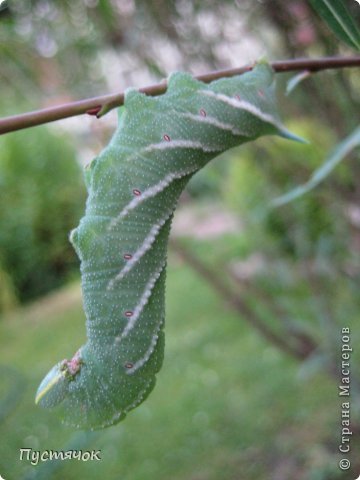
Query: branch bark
[[98, 106]]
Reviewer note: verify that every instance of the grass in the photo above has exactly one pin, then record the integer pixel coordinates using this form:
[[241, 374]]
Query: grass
[[226, 405]]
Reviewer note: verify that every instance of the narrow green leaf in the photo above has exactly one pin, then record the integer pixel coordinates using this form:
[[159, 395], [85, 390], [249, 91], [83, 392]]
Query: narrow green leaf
[[339, 20], [295, 80], [341, 150], [3, 5]]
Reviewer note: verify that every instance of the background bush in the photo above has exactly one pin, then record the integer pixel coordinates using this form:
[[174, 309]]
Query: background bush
[[42, 198]]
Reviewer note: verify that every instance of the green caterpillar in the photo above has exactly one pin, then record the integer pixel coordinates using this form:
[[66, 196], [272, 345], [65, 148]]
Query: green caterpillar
[[133, 186]]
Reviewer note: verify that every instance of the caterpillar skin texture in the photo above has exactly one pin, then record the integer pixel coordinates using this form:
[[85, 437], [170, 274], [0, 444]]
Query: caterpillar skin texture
[[133, 187]]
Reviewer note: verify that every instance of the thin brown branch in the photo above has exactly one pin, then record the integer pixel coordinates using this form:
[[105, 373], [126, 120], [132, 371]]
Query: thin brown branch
[[236, 302], [303, 342], [100, 105]]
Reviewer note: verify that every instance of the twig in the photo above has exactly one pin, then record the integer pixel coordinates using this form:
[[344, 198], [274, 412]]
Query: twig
[[99, 105], [237, 302], [305, 344]]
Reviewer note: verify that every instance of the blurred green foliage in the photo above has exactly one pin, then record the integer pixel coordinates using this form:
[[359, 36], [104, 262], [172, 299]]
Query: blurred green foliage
[[227, 405], [307, 226], [8, 298], [298, 265], [42, 198]]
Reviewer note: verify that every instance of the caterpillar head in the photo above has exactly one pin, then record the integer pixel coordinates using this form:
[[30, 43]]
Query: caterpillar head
[[54, 387]]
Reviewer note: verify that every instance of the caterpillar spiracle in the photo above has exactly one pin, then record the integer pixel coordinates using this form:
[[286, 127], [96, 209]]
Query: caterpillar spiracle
[[133, 187]]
